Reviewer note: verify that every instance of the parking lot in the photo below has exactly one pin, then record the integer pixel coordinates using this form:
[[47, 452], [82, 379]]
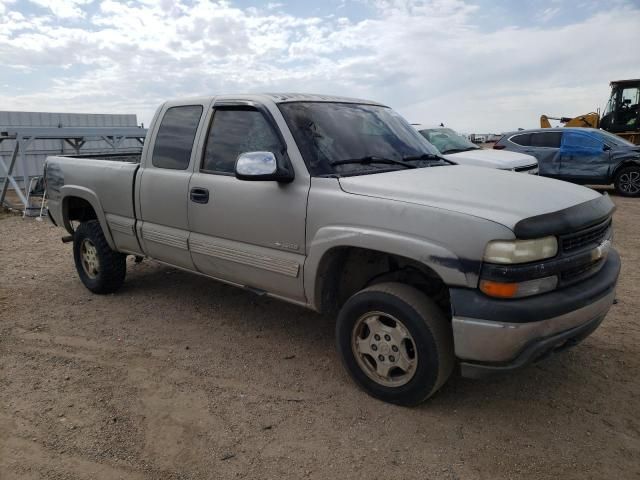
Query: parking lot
[[178, 376]]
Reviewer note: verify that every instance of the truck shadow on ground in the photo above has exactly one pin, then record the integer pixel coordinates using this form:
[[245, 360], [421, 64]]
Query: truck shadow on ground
[[289, 331]]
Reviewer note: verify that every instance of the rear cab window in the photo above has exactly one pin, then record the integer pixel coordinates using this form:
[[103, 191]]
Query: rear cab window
[[174, 141]]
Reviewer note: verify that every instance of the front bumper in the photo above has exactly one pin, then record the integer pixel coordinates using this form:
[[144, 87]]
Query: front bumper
[[493, 336]]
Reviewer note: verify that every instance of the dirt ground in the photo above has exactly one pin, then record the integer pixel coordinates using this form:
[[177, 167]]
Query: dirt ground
[[179, 377]]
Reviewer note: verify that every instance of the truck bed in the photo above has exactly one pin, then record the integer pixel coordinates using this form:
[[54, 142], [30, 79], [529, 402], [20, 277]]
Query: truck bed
[[105, 181]]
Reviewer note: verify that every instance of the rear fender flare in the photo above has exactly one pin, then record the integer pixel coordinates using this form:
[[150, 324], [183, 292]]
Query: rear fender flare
[[70, 191]]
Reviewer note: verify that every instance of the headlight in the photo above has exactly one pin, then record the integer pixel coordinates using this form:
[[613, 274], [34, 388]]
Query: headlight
[[520, 251]]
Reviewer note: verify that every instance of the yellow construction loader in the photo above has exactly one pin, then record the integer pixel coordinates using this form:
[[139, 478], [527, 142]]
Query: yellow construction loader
[[621, 116]]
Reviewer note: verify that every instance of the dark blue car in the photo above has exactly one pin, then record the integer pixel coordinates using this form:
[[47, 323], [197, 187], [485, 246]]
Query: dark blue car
[[580, 155]]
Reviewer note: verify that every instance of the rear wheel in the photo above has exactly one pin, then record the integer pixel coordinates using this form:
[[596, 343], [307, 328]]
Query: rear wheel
[[101, 269], [627, 181], [395, 342]]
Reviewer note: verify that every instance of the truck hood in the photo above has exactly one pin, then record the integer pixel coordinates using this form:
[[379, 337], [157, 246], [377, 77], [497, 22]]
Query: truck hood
[[499, 196], [502, 159]]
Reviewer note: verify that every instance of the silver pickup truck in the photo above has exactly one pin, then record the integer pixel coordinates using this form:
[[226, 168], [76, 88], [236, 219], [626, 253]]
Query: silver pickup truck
[[340, 206]]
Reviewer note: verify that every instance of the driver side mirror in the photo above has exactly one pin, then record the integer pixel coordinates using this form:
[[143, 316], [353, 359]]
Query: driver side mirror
[[261, 166]]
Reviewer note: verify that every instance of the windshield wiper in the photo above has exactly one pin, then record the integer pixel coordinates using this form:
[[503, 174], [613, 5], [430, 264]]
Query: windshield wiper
[[459, 150], [369, 159], [425, 156]]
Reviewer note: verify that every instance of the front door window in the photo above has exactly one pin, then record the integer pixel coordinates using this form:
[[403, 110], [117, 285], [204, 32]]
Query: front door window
[[237, 131]]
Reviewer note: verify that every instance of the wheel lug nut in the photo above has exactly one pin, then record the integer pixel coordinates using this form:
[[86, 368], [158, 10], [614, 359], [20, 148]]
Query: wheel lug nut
[[392, 358], [381, 358], [387, 338], [394, 348], [374, 347]]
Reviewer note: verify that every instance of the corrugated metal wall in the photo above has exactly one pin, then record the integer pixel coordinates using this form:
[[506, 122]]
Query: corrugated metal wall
[[39, 149]]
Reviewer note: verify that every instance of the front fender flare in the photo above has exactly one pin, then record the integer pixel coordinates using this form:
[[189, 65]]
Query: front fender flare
[[452, 269]]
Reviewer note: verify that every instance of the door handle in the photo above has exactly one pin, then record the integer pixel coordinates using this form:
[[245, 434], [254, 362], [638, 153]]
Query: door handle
[[199, 195]]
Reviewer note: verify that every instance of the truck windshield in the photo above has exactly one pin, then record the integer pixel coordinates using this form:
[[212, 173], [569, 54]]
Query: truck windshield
[[447, 140], [331, 135]]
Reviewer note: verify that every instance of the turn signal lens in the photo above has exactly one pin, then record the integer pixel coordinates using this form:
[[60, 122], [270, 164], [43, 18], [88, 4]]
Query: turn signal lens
[[497, 289], [520, 289]]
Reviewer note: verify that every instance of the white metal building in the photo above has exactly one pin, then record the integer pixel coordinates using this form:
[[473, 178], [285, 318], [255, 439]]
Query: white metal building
[[27, 138], [38, 151]]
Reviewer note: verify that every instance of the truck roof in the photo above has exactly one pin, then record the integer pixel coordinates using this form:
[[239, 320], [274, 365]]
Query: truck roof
[[632, 81], [277, 98], [309, 97]]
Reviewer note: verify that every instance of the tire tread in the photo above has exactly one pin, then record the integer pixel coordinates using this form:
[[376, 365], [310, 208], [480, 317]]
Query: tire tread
[[435, 320], [113, 265]]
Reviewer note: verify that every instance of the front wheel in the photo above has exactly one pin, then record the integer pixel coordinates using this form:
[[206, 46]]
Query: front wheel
[[101, 269], [627, 181], [395, 342]]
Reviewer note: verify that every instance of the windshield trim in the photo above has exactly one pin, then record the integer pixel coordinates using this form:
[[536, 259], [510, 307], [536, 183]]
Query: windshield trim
[[381, 170]]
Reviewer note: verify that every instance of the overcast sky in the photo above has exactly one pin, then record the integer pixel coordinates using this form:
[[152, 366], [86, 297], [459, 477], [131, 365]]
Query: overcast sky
[[478, 66]]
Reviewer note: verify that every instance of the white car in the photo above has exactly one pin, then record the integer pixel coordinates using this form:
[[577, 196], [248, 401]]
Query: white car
[[458, 149]]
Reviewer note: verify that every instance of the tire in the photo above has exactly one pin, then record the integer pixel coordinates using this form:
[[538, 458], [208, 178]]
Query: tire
[[101, 269], [627, 181], [430, 342]]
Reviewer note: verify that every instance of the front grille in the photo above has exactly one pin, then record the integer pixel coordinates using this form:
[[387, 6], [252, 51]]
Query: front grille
[[588, 237], [572, 275]]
